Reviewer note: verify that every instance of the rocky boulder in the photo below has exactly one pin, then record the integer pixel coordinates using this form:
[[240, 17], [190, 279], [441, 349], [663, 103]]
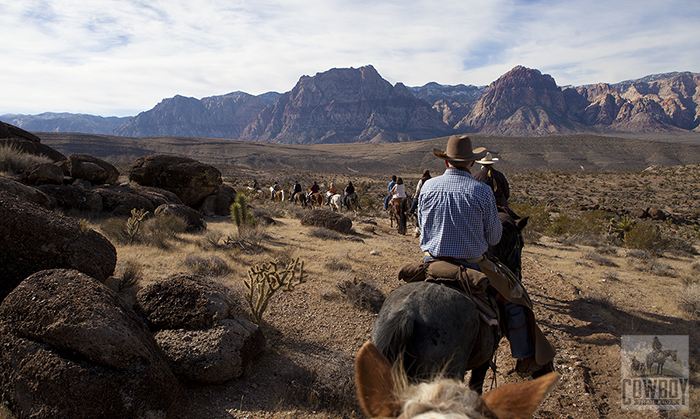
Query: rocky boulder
[[43, 174], [74, 349], [196, 327], [26, 142], [327, 219], [120, 200], [219, 204], [27, 192], [71, 197], [94, 170], [33, 238], [189, 179], [195, 220]]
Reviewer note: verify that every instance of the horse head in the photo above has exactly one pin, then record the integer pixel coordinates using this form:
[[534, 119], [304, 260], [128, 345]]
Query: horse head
[[385, 393], [509, 248]]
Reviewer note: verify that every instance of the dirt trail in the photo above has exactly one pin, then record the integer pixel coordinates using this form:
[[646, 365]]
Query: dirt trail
[[314, 333]]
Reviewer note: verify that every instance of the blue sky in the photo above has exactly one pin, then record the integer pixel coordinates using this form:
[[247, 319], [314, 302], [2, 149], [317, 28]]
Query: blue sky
[[122, 57]]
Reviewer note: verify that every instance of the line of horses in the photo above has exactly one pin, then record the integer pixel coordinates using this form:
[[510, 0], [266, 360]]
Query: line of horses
[[307, 199]]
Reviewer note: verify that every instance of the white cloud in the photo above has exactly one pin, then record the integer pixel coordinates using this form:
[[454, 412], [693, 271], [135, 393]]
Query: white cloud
[[122, 57]]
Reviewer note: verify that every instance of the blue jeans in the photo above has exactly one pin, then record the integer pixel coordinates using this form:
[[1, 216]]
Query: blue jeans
[[386, 201]]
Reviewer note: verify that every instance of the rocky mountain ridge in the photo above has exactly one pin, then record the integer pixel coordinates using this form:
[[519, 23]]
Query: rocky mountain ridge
[[358, 105]]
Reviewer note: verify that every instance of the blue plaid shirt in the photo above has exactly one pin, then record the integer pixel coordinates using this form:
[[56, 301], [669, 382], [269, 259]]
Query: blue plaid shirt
[[458, 216]]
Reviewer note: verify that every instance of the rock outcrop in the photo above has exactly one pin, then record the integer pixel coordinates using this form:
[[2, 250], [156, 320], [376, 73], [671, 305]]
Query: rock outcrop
[[72, 348], [195, 324], [89, 168], [33, 238], [26, 142], [327, 219], [189, 179], [195, 220], [346, 105]]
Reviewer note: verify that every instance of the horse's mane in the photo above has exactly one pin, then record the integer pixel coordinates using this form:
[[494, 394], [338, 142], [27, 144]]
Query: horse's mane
[[441, 399]]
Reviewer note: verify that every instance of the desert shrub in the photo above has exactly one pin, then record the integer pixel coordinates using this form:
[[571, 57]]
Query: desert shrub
[[247, 239], [690, 300], [639, 254], [654, 266], [324, 233], [133, 224], [607, 250], [369, 203], [264, 280], [600, 260], [159, 230], [598, 300], [130, 273], [207, 266], [361, 294], [14, 161], [620, 226], [646, 236], [578, 224], [115, 229], [538, 223], [337, 262]]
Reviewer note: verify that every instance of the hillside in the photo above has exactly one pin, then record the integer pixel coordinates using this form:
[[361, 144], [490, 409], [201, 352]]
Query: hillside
[[563, 152]]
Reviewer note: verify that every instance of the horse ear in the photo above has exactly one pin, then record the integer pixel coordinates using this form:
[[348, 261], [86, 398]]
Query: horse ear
[[375, 385], [519, 400], [522, 223]]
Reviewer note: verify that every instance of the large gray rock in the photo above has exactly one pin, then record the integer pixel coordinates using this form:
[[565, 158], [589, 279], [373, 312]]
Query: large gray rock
[[213, 355], [26, 142], [189, 179], [219, 204], [33, 238], [86, 167], [196, 327], [71, 348], [120, 200], [184, 301], [327, 219], [27, 192]]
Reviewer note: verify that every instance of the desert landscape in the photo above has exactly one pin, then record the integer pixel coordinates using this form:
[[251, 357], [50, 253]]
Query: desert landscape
[[595, 270]]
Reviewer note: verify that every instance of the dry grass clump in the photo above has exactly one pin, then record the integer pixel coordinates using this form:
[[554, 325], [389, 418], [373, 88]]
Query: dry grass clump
[[361, 294], [654, 266], [690, 300], [338, 262], [610, 276], [324, 233], [600, 260], [247, 239], [207, 265], [129, 272], [155, 231], [13, 161]]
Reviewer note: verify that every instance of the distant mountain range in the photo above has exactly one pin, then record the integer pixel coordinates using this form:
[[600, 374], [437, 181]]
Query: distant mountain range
[[358, 105]]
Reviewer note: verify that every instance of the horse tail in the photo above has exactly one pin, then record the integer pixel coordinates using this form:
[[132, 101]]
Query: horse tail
[[397, 331], [402, 217]]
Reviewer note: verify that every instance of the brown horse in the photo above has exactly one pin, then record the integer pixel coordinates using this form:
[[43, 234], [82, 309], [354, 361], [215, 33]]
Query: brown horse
[[299, 198], [316, 200], [388, 394], [397, 212], [279, 196]]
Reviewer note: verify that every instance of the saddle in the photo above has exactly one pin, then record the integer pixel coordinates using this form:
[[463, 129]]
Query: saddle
[[472, 283]]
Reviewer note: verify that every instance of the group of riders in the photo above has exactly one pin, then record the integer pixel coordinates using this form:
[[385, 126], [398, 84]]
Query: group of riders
[[348, 200]]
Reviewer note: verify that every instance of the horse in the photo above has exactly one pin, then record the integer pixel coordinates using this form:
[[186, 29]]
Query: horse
[[352, 202], [437, 329], [658, 357], [257, 193], [336, 202], [397, 212], [299, 198], [316, 200], [279, 196], [387, 393]]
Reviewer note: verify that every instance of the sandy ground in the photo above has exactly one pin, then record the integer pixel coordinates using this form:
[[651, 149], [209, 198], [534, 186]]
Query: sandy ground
[[314, 333]]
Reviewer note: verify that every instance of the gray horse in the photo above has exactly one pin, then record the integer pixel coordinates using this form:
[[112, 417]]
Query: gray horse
[[435, 329]]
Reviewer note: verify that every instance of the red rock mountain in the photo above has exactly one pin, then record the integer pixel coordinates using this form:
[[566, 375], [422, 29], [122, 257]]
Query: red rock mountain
[[346, 105]]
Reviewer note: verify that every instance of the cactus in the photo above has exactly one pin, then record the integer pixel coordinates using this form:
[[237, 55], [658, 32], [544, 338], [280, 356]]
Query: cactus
[[133, 224], [240, 214], [264, 280]]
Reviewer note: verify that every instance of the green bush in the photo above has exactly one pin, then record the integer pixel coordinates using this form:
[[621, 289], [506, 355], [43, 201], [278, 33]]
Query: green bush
[[646, 236], [207, 266], [539, 221]]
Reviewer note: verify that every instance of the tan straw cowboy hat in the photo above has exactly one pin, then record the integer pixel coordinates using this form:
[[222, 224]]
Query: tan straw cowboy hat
[[459, 148], [488, 159]]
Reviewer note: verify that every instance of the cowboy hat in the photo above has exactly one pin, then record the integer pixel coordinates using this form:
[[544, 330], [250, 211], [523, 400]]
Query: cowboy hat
[[488, 159], [459, 149]]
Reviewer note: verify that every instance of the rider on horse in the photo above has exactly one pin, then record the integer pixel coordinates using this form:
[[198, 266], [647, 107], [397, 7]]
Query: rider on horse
[[459, 221]]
